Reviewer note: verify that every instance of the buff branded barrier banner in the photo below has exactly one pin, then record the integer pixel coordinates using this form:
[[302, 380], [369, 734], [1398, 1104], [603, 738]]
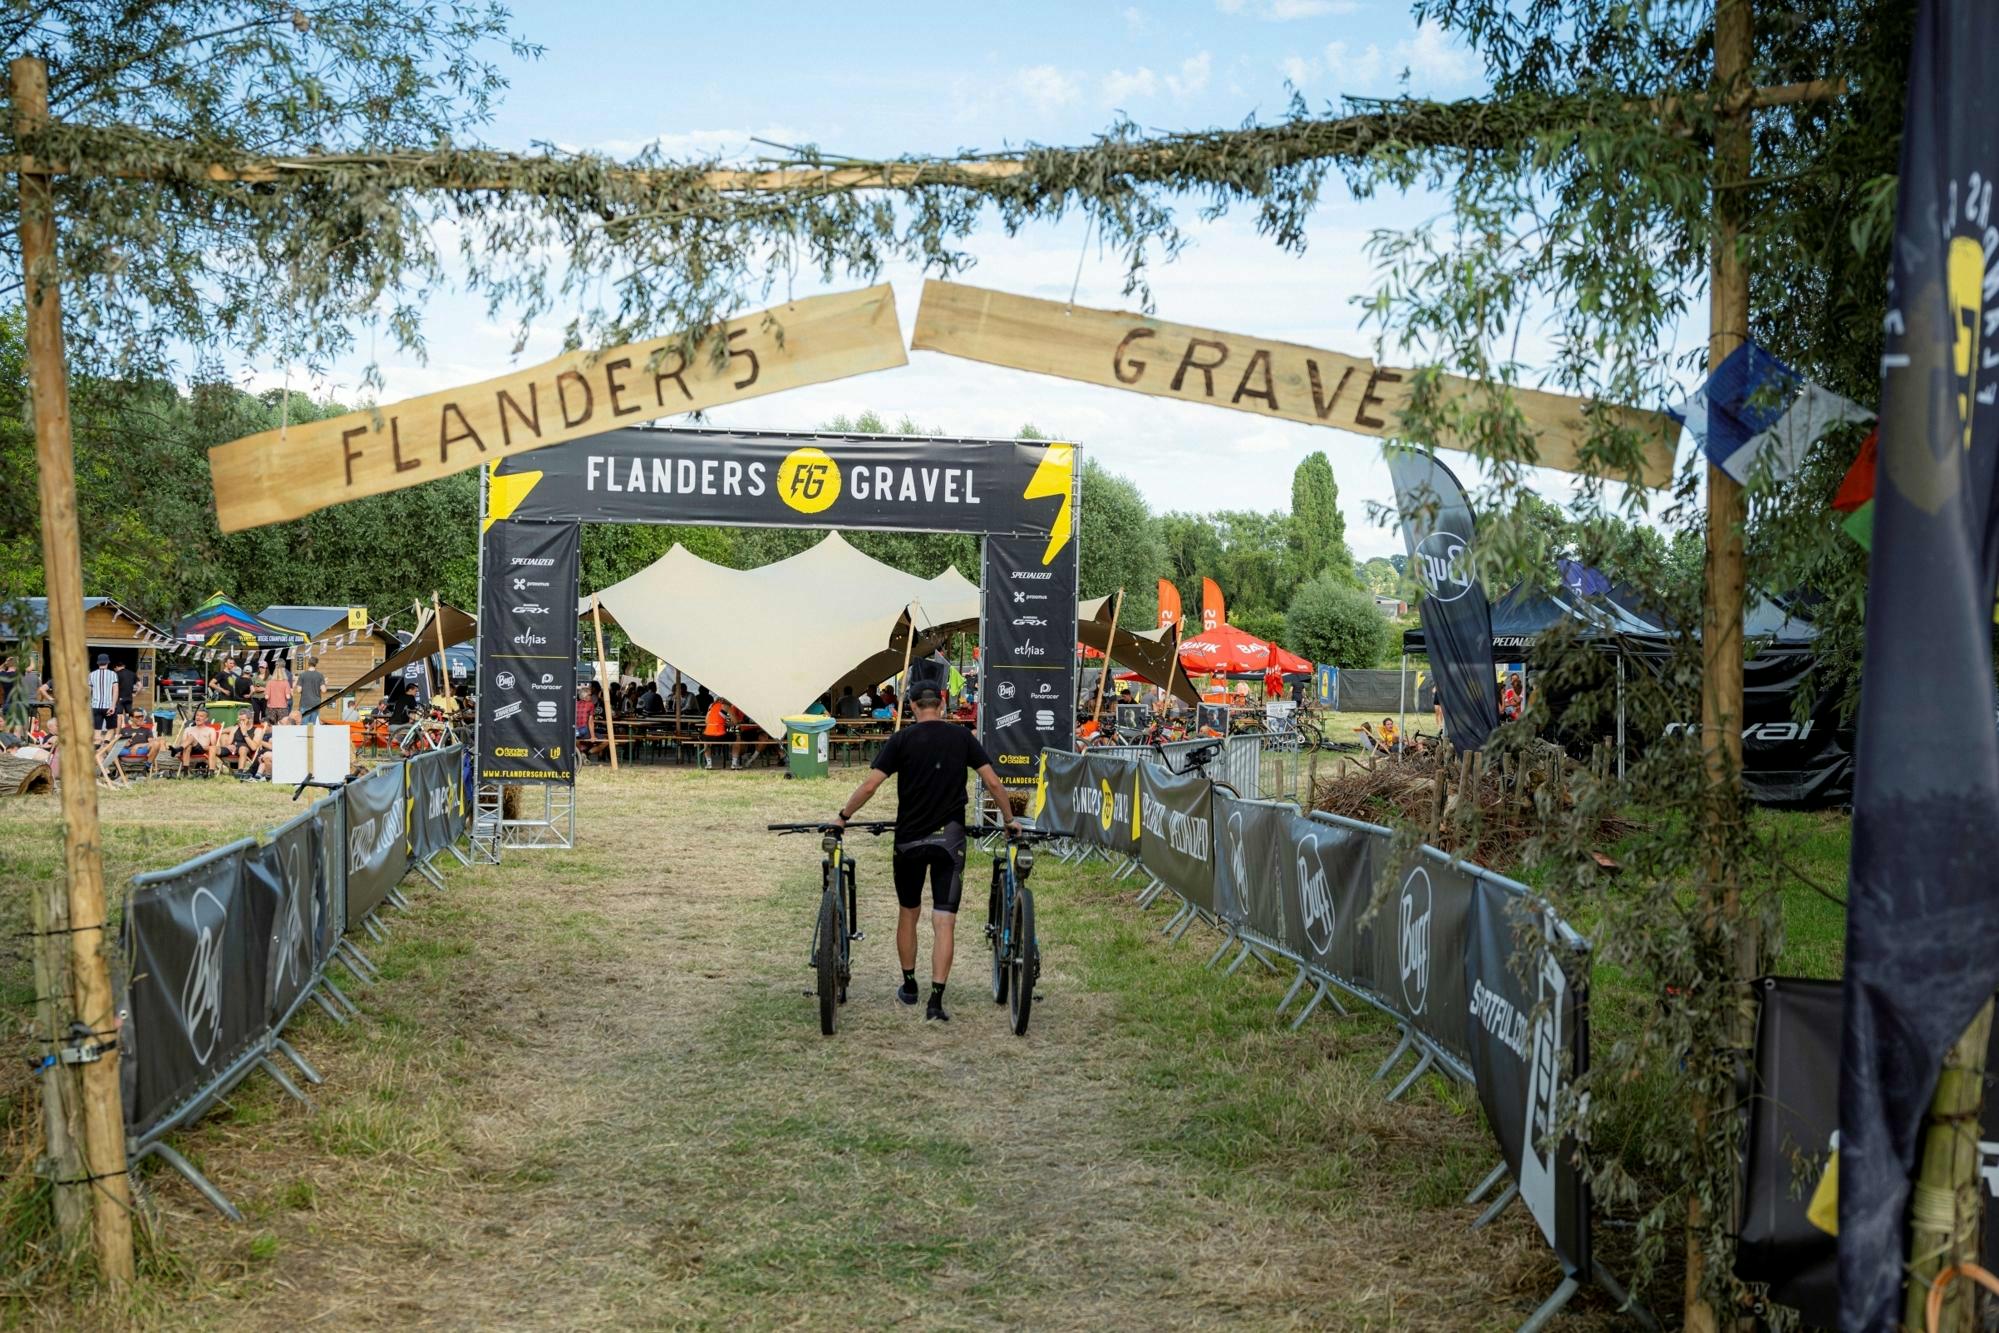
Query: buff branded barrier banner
[[1436, 952], [221, 951], [1018, 494], [1792, 1114]]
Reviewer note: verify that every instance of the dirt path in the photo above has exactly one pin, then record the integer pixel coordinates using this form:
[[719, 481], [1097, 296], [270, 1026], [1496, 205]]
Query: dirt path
[[591, 1092]]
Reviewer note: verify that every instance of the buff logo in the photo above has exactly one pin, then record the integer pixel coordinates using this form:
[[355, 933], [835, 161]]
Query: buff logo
[[201, 989], [1315, 898], [1238, 861], [290, 959], [1442, 565], [1413, 939], [808, 480]]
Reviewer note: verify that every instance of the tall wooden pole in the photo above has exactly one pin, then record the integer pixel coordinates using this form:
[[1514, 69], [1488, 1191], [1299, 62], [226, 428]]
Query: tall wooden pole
[[92, 1000], [907, 645], [610, 729], [1721, 610], [1948, 1205], [1117, 609], [443, 662]]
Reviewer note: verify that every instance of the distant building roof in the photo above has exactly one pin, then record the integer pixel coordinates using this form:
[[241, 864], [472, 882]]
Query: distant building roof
[[306, 619], [37, 619]]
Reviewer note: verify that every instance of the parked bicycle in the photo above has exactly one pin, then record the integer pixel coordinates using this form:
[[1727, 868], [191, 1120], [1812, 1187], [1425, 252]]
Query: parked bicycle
[[1196, 761], [834, 929], [1010, 924]]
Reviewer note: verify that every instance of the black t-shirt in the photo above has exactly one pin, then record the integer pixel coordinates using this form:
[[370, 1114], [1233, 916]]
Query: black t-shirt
[[128, 680], [932, 759]]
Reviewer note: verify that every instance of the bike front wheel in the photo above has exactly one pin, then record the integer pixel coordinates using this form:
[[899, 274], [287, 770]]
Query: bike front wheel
[[996, 936], [827, 938], [1026, 962]]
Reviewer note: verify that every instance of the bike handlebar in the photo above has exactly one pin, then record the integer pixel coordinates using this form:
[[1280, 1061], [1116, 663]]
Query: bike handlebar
[[1018, 835], [874, 826]]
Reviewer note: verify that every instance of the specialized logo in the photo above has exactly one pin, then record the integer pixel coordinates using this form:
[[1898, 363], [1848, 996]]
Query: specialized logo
[[808, 480], [1031, 574], [1444, 565], [201, 989], [1315, 896], [533, 561], [505, 680], [1004, 689], [1412, 948]]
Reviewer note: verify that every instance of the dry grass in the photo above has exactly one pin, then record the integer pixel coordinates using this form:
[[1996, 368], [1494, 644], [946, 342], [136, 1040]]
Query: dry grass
[[590, 1091]]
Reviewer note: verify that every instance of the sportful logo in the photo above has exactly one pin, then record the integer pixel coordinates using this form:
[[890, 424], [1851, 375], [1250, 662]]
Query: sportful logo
[[1315, 896], [201, 989], [544, 710], [1044, 719], [1442, 565], [1413, 939]]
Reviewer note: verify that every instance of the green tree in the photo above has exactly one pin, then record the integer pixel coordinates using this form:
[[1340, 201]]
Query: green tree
[[1119, 545], [1379, 576], [1266, 625], [1318, 530], [1330, 620]]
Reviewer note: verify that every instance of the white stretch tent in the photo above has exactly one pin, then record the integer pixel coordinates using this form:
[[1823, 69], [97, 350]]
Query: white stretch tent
[[772, 640]]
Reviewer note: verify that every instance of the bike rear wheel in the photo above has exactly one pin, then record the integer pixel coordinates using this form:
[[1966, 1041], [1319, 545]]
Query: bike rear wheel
[[1026, 962], [827, 939]]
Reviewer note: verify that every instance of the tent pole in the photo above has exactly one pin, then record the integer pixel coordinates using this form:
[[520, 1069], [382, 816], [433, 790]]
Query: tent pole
[[1173, 672], [610, 731], [443, 662], [1402, 700], [1620, 717], [1117, 609], [908, 643]]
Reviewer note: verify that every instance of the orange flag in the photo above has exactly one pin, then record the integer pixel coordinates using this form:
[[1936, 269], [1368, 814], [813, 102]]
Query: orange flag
[[1213, 613], [1169, 604]]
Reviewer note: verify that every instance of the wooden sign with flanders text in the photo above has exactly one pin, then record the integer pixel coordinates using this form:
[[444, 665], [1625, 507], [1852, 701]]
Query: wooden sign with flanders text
[[281, 474], [1256, 375]]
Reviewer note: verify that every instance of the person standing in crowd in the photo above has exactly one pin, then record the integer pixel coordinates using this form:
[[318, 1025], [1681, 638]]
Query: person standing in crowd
[[1436, 701], [10, 682], [260, 685], [278, 692], [932, 757], [103, 695], [311, 686], [128, 689]]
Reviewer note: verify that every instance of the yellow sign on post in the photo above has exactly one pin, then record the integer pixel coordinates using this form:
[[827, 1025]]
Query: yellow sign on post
[[1260, 376], [357, 617], [293, 471]]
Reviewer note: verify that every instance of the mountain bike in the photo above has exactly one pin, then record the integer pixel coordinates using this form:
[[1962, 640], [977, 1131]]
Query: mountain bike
[[1010, 924], [1196, 761], [833, 931]]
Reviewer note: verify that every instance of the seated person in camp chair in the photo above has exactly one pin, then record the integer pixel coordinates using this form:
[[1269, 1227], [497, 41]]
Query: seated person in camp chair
[[130, 748], [254, 743], [196, 745], [1383, 741]]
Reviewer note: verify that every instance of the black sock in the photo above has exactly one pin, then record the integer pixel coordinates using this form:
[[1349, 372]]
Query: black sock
[[909, 977], [937, 992]]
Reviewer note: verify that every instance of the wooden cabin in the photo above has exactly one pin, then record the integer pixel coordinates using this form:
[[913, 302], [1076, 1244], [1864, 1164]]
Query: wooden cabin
[[109, 627]]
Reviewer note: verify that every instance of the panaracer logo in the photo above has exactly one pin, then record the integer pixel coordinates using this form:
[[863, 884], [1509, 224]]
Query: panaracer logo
[[1412, 948], [1315, 896], [1042, 690], [1442, 565], [808, 480]]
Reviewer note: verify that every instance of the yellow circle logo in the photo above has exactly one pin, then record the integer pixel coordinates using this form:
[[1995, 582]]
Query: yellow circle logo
[[808, 480], [1107, 811]]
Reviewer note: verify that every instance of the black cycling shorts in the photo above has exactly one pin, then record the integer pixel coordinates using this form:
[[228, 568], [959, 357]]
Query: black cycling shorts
[[940, 857]]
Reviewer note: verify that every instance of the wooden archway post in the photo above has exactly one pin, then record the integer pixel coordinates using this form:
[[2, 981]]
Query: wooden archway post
[[610, 732], [101, 1174]]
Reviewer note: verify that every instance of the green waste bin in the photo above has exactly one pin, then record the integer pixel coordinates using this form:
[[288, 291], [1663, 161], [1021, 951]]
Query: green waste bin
[[805, 745]]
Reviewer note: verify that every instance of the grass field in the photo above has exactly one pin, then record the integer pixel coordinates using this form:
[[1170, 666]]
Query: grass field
[[590, 1091]]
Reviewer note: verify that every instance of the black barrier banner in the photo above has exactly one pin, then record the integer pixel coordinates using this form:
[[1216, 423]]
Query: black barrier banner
[[1328, 880], [1176, 840], [527, 651], [290, 870], [1249, 891], [914, 483], [197, 944], [1027, 652], [1457, 620], [1420, 933], [1107, 803], [1054, 808], [1792, 1114], [1527, 1038], [377, 846], [433, 799]]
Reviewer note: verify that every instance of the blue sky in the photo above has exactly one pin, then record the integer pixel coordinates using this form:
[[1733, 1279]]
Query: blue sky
[[882, 79]]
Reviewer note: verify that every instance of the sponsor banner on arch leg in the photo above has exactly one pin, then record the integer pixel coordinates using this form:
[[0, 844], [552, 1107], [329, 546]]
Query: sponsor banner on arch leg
[[1027, 664], [197, 943], [1528, 1039], [1176, 832], [377, 848], [527, 652]]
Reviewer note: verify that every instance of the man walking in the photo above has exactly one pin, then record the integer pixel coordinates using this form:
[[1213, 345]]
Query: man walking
[[932, 756], [104, 695], [310, 685]]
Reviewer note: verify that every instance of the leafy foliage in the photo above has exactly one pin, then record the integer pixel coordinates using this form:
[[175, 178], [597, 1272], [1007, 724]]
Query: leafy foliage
[[1318, 535], [1331, 620]]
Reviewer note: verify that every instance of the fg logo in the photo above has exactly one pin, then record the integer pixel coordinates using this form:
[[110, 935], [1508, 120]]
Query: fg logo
[[808, 480]]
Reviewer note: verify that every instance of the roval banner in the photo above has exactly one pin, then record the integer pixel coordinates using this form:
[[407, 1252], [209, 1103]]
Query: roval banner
[[377, 848], [1792, 1112], [197, 945], [527, 652], [1419, 935], [1176, 839], [293, 870], [1107, 804], [1027, 650], [1249, 893], [1521, 1062]]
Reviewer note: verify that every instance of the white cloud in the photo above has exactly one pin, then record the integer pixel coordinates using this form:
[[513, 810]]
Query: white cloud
[[1119, 87], [1229, 6], [1286, 11], [1353, 72], [1046, 86], [1134, 20], [1433, 55], [1298, 70], [1193, 76]]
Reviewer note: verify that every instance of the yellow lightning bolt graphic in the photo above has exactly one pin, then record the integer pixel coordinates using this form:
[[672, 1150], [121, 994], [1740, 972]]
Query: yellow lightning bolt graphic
[[1055, 476], [505, 491]]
